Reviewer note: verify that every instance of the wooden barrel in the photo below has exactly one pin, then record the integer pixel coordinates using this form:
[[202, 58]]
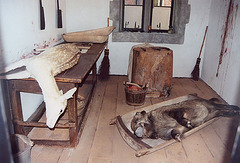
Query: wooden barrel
[[135, 98], [135, 95], [153, 65]]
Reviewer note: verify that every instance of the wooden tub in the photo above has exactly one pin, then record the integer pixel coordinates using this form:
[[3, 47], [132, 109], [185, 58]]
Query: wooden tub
[[94, 36], [147, 146]]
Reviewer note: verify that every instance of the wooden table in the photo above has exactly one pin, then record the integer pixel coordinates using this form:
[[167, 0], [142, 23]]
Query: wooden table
[[74, 77]]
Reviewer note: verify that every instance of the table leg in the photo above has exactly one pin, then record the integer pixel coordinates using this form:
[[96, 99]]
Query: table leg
[[16, 107], [94, 73], [73, 118]]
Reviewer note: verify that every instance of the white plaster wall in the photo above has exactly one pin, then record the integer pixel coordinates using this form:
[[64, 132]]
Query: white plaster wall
[[93, 14], [227, 83], [20, 33], [85, 15]]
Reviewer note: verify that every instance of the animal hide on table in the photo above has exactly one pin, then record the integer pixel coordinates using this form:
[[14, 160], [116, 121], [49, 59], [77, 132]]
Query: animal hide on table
[[43, 68], [172, 121]]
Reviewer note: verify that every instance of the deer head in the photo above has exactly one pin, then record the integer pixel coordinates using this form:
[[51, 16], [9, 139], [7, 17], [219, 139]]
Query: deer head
[[56, 106]]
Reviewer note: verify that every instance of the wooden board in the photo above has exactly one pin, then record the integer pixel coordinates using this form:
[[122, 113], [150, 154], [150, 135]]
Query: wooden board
[[146, 146]]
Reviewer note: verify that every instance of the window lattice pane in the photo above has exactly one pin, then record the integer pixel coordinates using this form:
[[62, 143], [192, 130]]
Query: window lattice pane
[[133, 2], [160, 18], [160, 3], [166, 3], [133, 17], [156, 2]]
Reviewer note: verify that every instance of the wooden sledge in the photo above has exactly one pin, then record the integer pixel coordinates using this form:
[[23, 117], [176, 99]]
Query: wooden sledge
[[95, 36], [147, 146]]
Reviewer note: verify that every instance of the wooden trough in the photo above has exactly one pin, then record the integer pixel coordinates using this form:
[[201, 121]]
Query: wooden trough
[[147, 146], [94, 36]]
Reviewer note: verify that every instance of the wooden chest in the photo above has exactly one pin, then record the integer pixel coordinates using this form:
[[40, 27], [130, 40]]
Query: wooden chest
[[153, 65]]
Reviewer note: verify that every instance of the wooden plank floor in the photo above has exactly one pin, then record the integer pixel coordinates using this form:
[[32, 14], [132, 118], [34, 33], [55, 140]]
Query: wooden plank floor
[[102, 143]]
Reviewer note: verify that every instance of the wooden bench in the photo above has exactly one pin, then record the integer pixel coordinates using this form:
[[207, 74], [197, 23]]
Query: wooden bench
[[77, 76]]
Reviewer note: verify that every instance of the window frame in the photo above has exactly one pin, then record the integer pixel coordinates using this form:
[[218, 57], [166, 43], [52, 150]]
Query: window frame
[[123, 23], [170, 19], [181, 15]]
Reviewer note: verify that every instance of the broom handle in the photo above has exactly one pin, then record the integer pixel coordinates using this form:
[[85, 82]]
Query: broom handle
[[203, 42], [108, 22], [107, 26]]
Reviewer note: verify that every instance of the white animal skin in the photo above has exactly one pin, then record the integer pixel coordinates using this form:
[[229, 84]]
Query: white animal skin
[[43, 68]]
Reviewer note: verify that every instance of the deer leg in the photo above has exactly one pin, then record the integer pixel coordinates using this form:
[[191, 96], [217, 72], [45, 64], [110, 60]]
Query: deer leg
[[18, 75], [13, 66]]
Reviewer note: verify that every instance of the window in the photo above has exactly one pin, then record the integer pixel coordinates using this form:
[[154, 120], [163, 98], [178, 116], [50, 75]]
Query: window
[[161, 19], [147, 15], [133, 15], [139, 20]]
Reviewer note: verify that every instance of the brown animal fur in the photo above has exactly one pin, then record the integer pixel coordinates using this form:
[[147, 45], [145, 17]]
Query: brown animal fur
[[172, 121]]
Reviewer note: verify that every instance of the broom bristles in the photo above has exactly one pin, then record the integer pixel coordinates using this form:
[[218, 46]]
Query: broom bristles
[[104, 67], [195, 72]]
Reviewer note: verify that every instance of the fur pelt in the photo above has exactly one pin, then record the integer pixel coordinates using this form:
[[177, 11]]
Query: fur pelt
[[172, 121]]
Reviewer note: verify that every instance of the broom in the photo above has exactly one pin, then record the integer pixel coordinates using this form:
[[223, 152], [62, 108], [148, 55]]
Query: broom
[[195, 72], [105, 65]]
